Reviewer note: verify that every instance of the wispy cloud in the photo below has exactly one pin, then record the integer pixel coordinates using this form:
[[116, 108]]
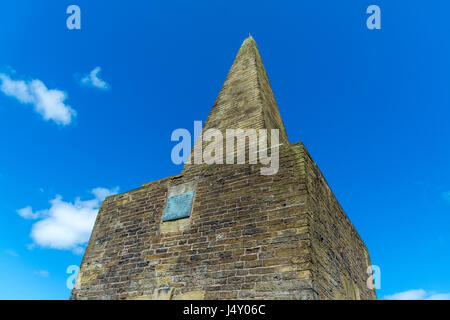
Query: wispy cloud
[[48, 103], [27, 213], [93, 80], [11, 253], [42, 273], [446, 196], [418, 294], [66, 225]]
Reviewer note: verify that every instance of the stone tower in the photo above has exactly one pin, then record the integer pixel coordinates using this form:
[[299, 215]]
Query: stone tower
[[222, 231]]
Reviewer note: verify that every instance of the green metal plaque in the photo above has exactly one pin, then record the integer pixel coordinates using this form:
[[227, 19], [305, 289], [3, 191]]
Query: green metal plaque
[[178, 206]]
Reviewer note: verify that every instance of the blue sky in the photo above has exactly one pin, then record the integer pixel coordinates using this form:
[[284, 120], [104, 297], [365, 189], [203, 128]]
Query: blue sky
[[371, 106]]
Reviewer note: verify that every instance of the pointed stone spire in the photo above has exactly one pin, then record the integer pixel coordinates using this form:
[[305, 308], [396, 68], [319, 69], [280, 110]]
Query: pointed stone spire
[[246, 100]]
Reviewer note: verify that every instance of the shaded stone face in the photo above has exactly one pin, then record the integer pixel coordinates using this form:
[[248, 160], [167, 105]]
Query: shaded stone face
[[247, 235]]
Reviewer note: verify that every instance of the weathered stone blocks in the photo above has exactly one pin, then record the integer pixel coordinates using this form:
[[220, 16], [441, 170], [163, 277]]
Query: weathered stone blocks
[[248, 236]]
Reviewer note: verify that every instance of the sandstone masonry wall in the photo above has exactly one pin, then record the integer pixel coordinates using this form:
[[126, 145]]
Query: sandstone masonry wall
[[247, 237], [340, 257]]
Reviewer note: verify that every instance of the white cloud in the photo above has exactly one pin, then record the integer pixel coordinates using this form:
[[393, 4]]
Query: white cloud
[[446, 196], [66, 225], [439, 296], [27, 213], [11, 252], [48, 103], [418, 294], [16, 88], [92, 79], [42, 273]]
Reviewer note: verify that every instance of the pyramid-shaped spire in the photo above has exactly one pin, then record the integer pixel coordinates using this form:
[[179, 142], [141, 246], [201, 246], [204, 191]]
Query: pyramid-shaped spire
[[246, 100]]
